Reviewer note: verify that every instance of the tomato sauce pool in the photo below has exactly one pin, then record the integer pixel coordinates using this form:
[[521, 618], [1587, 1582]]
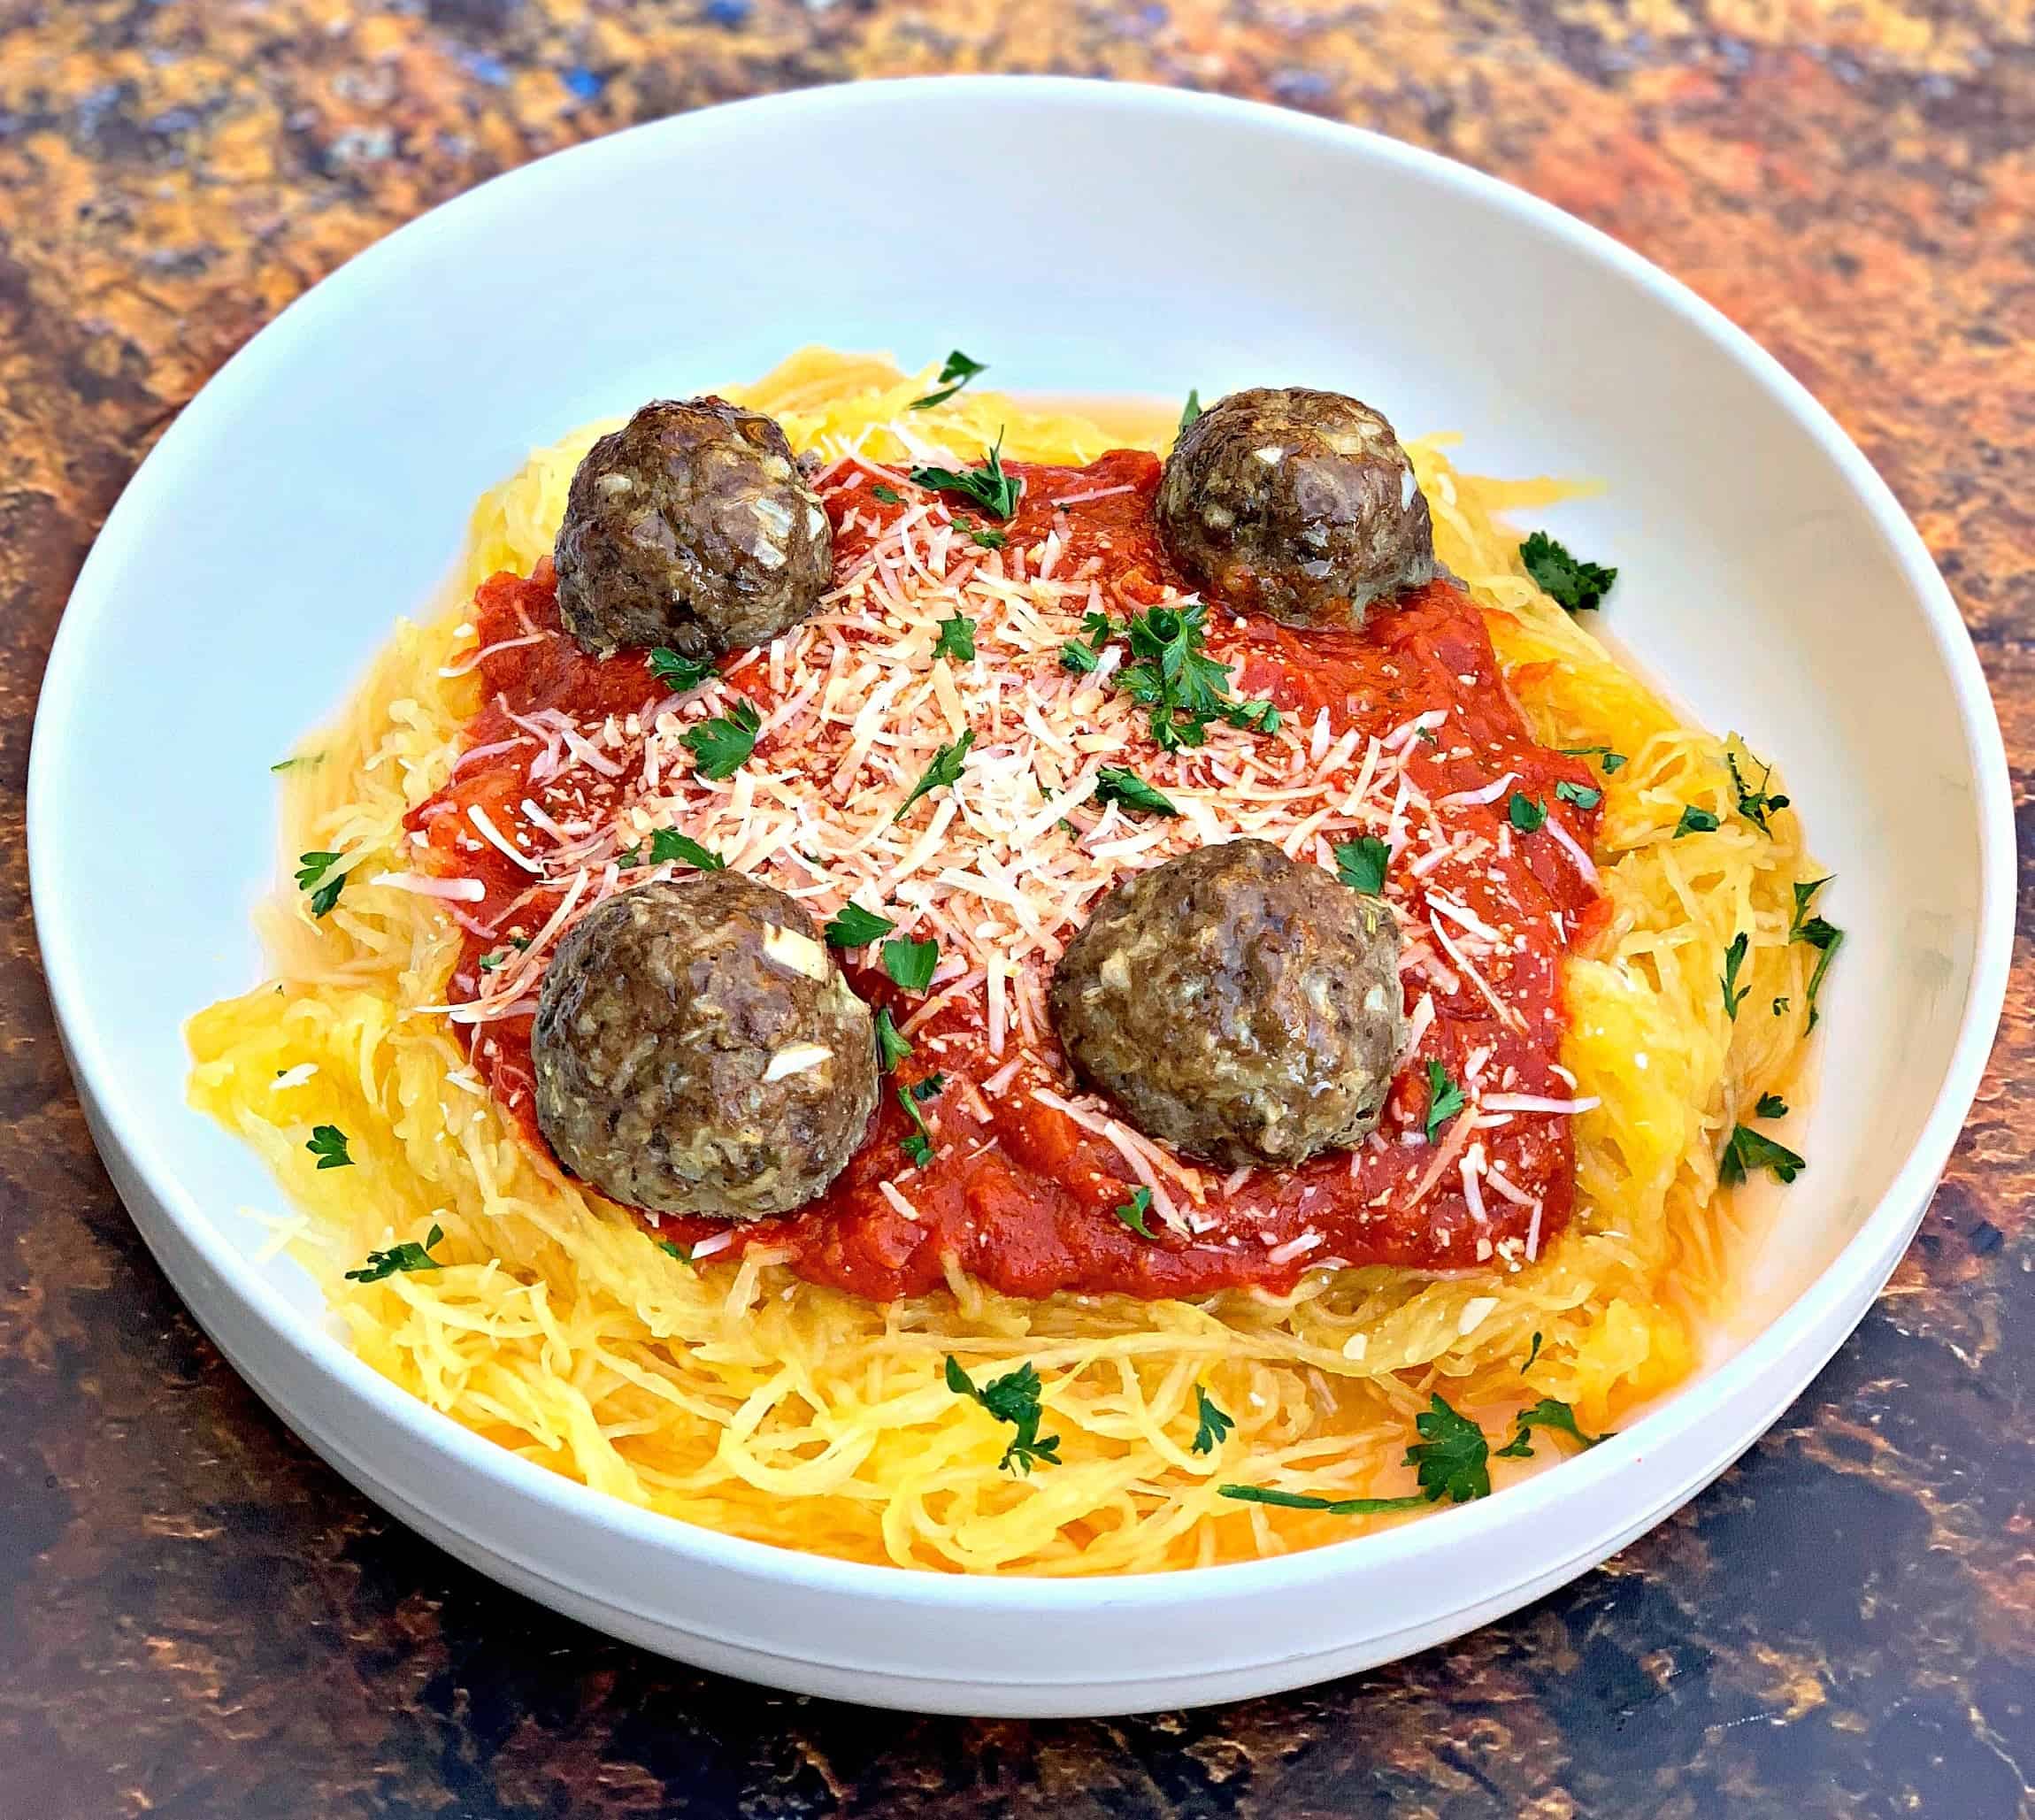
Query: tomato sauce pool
[[1025, 1199]]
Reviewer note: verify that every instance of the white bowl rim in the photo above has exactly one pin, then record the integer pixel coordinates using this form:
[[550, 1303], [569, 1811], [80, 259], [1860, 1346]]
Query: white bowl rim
[[1864, 1262]]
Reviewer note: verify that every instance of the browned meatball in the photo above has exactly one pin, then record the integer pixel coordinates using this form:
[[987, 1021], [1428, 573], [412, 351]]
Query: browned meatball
[[1296, 503], [698, 1051], [1238, 1004], [691, 526]]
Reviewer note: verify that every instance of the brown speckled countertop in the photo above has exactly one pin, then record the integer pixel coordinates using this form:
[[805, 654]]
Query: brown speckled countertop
[[198, 1618]]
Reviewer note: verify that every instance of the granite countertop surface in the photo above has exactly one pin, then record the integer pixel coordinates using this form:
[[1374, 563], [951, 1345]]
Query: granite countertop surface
[[197, 1618]]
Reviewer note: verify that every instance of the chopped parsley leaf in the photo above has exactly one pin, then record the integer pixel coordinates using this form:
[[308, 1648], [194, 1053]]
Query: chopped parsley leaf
[[1450, 1457], [1533, 1352], [1525, 813], [1183, 689], [911, 964], [1747, 1150], [329, 1145], [957, 639], [1754, 805], [917, 1142], [318, 873], [1825, 937], [1115, 784], [996, 492], [1192, 409], [1734, 959], [930, 1088], [1780, 1005], [1013, 1398], [892, 1047], [1100, 627], [887, 495], [1583, 795], [671, 1248], [1260, 717], [1770, 1106], [943, 771], [1566, 579], [1211, 1423], [1333, 1507], [668, 844], [1549, 1412], [408, 1255], [1077, 657], [959, 370], [853, 926], [1695, 821], [679, 672], [1444, 1098], [1132, 1213], [721, 748], [1360, 863], [1613, 761], [304, 761]]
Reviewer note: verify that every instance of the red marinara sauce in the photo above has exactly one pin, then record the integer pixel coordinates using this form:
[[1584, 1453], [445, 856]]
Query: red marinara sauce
[[1025, 1199]]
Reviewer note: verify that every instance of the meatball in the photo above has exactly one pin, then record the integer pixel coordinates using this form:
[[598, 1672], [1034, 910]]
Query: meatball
[[1241, 1006], [698, 1051], [691, 526], [1296, 503]]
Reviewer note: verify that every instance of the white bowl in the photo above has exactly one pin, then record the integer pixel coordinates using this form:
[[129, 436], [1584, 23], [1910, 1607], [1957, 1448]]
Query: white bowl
[[1081, 238]]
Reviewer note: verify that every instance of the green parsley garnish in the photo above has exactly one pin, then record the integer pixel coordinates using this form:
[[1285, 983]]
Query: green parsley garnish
[[1770, 1106], [1169, 675], [996, 492], [943, 771], [892, 1047], [929, 1088], [679, 672], [1825, 937], [1533, 1352], [1077, 657], [1444, 1098], [1191, 409], [1133, 1212], [408, 1255], [329, 1145], [853, 926], [1013, 1398], [977, 534], [889, 495], [1115, 784], [1734, 959], [1549, 1412], [911, 964], [1360, 863], [1451, 1460], [1525, 813], [1307, 1501], [1613, 761], [304, 761], [1211, 1423], [673, 1248], [1567, 580], [917, 1142], [318, 873], [957, 639], [721, 748], [1695, 821], [668, 844], [959, 369], [1747, 1150], [1583, 795], [1754, 805], [1780, 1005]]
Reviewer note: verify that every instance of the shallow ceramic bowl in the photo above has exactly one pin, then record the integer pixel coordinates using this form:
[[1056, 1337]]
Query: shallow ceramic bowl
[[1135, 240]]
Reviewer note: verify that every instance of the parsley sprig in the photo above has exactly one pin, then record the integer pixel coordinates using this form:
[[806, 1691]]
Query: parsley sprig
[[892, 1045], [1211, 1422], [669, 844], [853, 926], [1695, 821], [1360, 863], [1444, 1098], [1115, 784], [1567, 580], [318, 873], [917, 1142], [911, 964], [1734, 959], [1754, 805], [989, 486], [942, 773], [721, 747], [329, 1145], [679, 672], [1132, 1213], [1613, 761], [1526, 813], [1172, 676], [954, 374], [957, 639], [1549, 1412], [408, 1255], [1821, 935], [1747, 1150], [1013, 1398]]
